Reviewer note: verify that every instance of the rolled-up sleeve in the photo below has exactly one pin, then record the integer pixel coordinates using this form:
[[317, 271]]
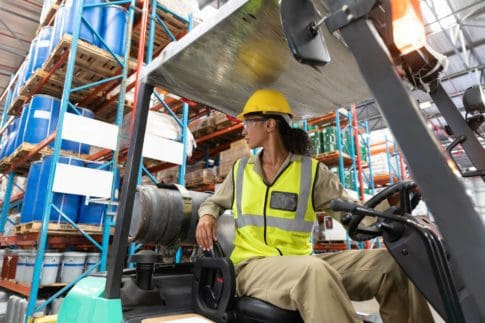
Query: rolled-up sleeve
[[221, 200], [327, 188]]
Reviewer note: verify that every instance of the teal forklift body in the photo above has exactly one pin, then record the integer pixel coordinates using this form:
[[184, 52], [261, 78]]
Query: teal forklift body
[[86, 303]]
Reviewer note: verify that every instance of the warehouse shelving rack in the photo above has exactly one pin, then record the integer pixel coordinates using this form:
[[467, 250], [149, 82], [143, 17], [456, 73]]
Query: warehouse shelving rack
[[159, 35], [58, 76], [348, 155], [395, 162], [69, 90]]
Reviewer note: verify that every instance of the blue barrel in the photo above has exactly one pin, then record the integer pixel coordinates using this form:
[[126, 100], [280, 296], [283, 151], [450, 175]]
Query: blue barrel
[[74, 146], [12, 136], [27, 72], [114, 28], [65, 21], [57, 32], [20, 79], [31, 189], [93, 213], [67, 203], [3, 143], [23, 120], [41, 50], [41, 119]]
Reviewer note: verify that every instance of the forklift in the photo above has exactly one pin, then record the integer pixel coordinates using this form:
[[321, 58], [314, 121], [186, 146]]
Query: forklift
[[322, 55]]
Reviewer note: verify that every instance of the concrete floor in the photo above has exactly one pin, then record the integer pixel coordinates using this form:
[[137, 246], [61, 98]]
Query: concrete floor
[[372, 307]]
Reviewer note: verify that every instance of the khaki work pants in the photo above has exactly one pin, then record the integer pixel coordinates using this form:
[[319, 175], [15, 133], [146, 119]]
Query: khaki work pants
[[321, 286]]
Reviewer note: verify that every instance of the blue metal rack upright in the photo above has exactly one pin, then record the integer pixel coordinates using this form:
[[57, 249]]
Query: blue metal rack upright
[[65, 103], [6, 206], [183, 123], [353, 128], [10, 182], [393, 161], [155, 20]]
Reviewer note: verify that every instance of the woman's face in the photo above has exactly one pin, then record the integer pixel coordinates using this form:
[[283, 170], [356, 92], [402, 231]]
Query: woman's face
[[254, 131]]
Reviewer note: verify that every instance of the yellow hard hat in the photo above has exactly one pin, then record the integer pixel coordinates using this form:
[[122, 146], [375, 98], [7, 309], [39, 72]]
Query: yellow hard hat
[[266, 101]]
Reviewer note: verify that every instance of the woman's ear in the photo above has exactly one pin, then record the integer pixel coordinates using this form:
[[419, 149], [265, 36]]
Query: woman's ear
[[271, 125]]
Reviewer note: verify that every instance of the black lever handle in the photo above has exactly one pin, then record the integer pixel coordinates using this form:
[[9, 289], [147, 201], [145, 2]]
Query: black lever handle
[[346, 206], [341, 205]]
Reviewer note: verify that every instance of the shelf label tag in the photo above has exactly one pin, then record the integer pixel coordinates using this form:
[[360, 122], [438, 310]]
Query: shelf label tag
[[89, 131], [82, 181], [163, 149]]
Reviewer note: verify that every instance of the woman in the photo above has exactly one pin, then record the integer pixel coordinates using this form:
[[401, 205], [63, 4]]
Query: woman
[[273, 197]]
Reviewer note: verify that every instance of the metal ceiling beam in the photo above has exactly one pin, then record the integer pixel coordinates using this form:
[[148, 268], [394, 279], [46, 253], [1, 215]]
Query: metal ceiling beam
[[21, 16], [468, 47], [470, 6], [463, 72], [430, 4], [11, 32], [467, 39], [14, 37], [12, 51]]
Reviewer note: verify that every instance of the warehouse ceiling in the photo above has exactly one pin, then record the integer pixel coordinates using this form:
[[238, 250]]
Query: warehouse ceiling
[[455, 28], [19, 20]]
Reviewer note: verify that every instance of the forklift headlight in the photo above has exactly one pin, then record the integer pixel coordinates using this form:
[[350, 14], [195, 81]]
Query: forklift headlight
[[407, 25]]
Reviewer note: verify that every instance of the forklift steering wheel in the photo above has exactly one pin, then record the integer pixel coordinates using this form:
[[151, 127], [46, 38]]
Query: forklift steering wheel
[[409, 198]]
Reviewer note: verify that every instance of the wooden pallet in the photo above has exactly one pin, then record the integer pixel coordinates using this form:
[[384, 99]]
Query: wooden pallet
[[92, 64], [18, 102], [26, 148], [177, 28], [59, 228], [332, 158], [108, 113], [49, 18]]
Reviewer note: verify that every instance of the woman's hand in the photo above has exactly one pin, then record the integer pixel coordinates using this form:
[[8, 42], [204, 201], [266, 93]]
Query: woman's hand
[[205, 233]]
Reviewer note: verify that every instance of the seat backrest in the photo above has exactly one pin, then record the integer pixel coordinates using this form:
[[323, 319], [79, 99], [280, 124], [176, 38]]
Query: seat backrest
[[225, 232]]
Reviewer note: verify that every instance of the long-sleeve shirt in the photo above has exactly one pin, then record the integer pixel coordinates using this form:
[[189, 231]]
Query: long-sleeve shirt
[[327, 187]]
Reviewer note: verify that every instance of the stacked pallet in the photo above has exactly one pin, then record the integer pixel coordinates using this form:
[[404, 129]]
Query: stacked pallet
[[227, 158]]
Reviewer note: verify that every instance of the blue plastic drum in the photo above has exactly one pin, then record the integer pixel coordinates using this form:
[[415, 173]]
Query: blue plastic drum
[[21, 130], [73, 146], [64, 23], [94, 213], [41, 119], [67, 203], [41, 50], [12, 130], [31, 189], [114, 28], [20, 79], [4, 143], [57, 32], [27, 72]]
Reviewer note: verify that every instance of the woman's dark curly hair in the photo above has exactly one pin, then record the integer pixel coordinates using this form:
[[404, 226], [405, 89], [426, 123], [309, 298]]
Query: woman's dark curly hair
[[295, 140]]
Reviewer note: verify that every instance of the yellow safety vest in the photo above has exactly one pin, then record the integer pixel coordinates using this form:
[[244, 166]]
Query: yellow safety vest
[[277, 219]]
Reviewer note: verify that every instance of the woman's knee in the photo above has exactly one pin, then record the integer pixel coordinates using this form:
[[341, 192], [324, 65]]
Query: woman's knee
[[318, 270], [388, 265]]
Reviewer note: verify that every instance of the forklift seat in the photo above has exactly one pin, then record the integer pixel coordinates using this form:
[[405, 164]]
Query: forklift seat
[[242, 309]]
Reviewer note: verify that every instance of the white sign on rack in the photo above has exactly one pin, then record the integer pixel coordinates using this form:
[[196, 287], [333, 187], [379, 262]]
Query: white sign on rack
[[82, 181], [163, 149], [89, 131]]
